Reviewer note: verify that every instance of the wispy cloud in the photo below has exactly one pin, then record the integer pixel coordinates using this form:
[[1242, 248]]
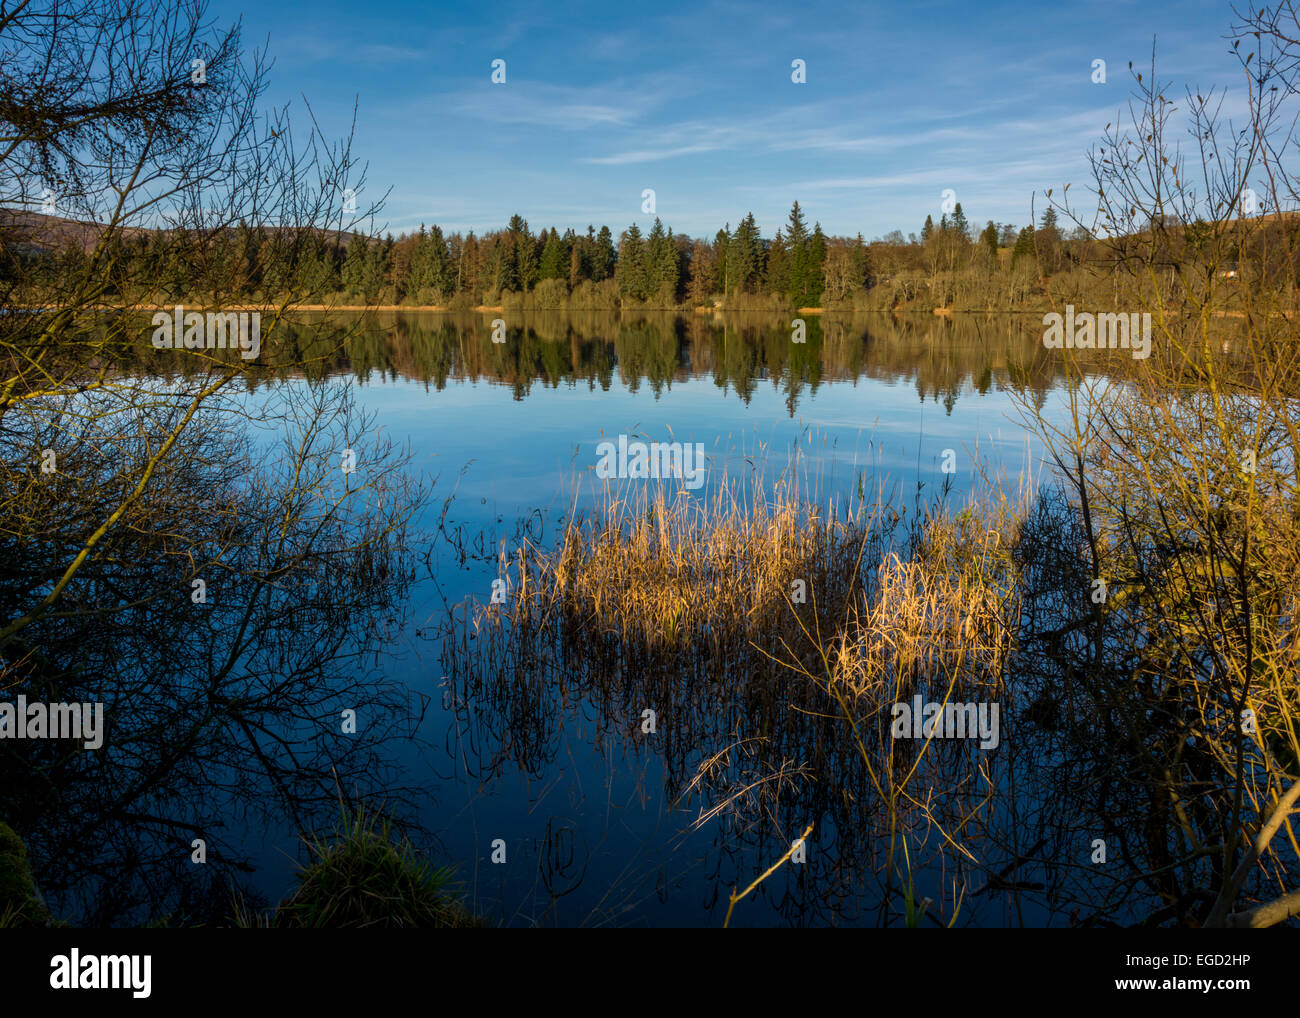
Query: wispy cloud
[[695, 99]]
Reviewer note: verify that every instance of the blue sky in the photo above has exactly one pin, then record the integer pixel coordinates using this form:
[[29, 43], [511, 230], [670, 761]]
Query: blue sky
[[695, 100]]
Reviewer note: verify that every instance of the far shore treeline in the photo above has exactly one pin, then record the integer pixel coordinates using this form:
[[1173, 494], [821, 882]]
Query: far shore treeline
[[948, 265], [798, 266]]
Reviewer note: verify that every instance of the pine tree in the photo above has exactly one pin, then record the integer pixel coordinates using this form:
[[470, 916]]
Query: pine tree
[[796, 233], [654, 250], [796, 242], [354, 266], [1048, 225], [555, 258], [525, 263], [816, 260], [373, 271], [745, 257], [959, 224], [861, 263], [778, 266], [519, 268], [927, 231], [332, 258], [500, 269], [439, 264], [721, 266], [430, 266], [469, 267], [633, 280], [1024, 245], [665, 264], [250, 265], [604, 258], [1050, 243], [419, 270], [989, 238]]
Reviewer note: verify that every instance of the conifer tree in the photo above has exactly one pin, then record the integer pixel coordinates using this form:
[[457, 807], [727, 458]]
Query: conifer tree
[[665, 264], [814, 283], [1024, 245], [1048, 225], [745, 257], [604, 256], [439, 264], [354, 266], [555, 258], [959, 225], [989, 238], [778, 266], [721, 266], [519, 266], [633, 280], [796, 243], [861, 263]]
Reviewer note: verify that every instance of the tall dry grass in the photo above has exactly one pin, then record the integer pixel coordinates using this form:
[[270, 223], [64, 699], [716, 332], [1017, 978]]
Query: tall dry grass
[[771, 633]]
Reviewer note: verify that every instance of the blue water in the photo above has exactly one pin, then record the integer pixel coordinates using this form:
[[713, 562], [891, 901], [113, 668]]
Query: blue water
[[592, 839], [590, 836]]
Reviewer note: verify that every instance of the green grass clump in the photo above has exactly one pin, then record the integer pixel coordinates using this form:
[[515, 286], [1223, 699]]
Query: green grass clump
[[364, 877], [20, 903]]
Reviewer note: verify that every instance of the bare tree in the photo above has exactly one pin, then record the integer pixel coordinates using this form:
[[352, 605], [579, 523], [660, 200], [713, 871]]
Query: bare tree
[[213, 563]]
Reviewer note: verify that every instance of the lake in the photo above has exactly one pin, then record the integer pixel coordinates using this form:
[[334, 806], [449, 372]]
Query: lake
[[599, 821]]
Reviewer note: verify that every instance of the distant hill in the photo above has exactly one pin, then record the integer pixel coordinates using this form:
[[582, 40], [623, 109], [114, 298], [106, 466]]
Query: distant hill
[[39, 233]]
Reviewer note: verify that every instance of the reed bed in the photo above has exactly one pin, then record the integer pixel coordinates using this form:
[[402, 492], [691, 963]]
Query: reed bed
[[770, 630]]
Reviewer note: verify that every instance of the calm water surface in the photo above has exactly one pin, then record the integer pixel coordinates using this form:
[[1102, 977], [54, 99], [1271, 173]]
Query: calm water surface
[[582, 800]]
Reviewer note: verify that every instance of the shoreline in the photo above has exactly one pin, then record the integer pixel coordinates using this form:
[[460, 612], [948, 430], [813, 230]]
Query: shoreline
[[940, 312]]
